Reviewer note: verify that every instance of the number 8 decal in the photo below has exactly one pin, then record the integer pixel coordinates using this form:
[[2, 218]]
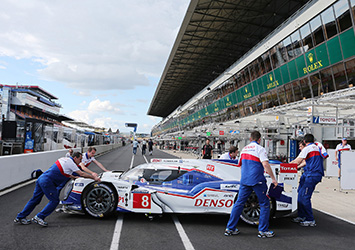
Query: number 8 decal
[[141, 201]]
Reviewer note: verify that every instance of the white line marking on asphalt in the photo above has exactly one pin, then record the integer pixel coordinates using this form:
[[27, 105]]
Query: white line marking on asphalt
[[117, 233], [185, 240], [145, 158], [132, 162], [335, 216], [16, 187]]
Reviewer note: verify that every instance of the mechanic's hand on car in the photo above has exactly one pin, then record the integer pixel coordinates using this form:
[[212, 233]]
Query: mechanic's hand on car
[[96, 177], [275, 183]]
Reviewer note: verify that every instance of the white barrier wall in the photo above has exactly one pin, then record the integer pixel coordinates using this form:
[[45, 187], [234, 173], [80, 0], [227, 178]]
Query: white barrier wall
[[332, 164], [347, 180], [18, 168]]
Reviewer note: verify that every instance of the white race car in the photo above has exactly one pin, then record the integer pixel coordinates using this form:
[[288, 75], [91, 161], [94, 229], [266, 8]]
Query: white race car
[[174, 186]]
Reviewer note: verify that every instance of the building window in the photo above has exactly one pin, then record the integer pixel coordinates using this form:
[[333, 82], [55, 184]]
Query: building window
[[342, 14], [317, 30], [277, 58], [306, 37], [286, 47], [289, 93], [296, 44], [316, 85], [352, 2], [340, 76], [261, 66], [306, 91], [282, 95], [327, 80], [246, 75], [329, 22], [350, 71], [267, 62]]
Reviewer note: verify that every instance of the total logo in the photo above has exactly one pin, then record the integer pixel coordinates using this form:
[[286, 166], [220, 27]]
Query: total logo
[[290, 168]]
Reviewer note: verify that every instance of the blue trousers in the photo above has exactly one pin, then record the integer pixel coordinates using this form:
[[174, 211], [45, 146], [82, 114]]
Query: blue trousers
[[244, 192], [305, 190], [134, 150], [44, 186]]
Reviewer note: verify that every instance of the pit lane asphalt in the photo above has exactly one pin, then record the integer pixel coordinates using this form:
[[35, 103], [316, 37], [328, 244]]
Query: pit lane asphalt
[[204, 231]]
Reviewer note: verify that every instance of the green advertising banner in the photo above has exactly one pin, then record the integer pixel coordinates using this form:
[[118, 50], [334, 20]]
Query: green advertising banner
[[347, 40], [301, 66]]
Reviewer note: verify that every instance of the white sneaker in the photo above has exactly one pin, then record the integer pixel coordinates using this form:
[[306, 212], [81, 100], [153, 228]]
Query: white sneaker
[[266, 234], [39, 221]]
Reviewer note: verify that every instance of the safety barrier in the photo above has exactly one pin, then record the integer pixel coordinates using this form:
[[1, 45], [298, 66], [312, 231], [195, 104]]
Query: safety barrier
[[18, 168]]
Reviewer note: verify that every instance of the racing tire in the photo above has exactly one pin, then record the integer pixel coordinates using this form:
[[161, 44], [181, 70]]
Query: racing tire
[[251, 210], [99, 200]]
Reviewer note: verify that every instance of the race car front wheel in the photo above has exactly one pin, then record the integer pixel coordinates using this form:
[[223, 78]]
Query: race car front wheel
[[251, 210], [99, 200]]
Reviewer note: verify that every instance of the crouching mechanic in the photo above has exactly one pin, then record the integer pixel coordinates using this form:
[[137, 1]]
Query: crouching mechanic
[[312, 175], [253, 161], [49, 184]]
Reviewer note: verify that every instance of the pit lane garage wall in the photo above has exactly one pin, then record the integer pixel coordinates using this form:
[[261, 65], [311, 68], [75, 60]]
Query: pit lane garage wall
[[18, 168]]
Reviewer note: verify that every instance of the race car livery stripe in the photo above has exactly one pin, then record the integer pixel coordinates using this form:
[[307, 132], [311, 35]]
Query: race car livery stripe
[[229, 164], [61, 169], [196, 169], [77, 192], [196, 195], [312, 154]]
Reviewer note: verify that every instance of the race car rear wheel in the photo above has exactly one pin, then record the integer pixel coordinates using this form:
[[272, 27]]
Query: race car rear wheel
[[99, 200], [251, 210]]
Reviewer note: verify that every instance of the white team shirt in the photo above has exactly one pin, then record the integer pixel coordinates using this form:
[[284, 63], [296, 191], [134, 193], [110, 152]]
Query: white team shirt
[[86, 160], [340, 147], [226, 156], [68, 165]]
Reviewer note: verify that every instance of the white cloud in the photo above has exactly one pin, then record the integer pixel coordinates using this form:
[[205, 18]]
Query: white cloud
[[82, 93], [2, 67], [91, 44], [96, 113]]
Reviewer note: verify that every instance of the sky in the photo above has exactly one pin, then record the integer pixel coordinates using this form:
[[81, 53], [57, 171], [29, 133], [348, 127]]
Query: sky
[[102, 59]]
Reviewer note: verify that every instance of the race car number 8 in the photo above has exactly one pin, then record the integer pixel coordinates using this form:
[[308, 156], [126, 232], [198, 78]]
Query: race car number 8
[[141, 201]]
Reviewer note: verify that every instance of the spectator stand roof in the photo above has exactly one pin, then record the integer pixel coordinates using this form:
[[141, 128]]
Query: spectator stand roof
[[214, 35]]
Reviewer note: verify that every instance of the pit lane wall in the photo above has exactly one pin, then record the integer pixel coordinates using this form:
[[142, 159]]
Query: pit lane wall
[[18, 168]]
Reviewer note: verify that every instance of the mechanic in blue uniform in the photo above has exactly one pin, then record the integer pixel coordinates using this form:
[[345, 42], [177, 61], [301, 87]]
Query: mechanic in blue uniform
[[253, 161], [49, 184], [312, 175]]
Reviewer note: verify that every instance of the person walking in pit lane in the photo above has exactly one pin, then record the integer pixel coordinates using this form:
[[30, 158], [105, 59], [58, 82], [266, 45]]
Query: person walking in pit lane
[[88, 157], [253, 161], [343, 146], [207, 150], [49, 184], [135, 146], [230, 155], [312, 175], [144, 146], [150, 146]]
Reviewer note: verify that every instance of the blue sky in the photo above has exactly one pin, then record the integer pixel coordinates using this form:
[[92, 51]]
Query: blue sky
[[102, 59]]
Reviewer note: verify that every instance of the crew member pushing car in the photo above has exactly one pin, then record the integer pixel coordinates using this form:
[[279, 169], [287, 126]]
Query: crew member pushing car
[[312, 175], [253, 161], [49, 184]]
